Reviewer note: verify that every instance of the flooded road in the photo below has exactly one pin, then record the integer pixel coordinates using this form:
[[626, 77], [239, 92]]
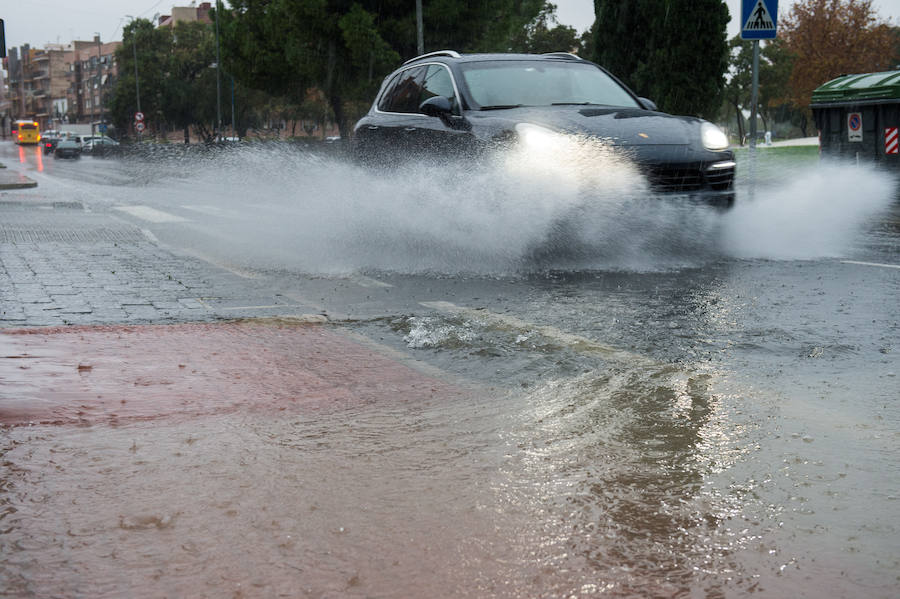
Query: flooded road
[[677, 402]]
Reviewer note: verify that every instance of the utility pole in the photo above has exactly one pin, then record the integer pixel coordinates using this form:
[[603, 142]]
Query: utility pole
[[137, 81], [218, 79], [233, 125], [420, 28], [99, 81], [754, 95]]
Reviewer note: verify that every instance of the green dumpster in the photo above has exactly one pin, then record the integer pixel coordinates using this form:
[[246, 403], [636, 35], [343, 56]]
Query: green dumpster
[[858, 117]]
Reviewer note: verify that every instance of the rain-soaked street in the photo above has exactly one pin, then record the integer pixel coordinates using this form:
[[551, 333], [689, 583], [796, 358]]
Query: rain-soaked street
[[268, 373]]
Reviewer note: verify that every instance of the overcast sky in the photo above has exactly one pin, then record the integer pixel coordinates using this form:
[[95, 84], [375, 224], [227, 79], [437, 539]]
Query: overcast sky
[[38, 22]]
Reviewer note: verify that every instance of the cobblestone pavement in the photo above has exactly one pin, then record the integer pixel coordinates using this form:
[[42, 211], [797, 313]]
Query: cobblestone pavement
[[62, 264]]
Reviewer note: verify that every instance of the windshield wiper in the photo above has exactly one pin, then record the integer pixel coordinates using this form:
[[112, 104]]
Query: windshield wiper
[[572, 104], [501, 106]]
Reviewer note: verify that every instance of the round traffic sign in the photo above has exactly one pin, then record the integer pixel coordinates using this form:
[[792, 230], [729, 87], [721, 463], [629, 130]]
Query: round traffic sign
[[139, 126], [855, 122], [139, 116]]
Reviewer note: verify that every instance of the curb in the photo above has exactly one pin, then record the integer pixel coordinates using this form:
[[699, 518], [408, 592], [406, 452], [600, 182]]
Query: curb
[[13, 180]]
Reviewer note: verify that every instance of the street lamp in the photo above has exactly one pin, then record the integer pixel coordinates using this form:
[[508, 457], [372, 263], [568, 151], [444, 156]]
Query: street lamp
[[137, 85]]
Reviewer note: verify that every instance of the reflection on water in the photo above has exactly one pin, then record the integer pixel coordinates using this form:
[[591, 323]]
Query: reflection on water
[[620, 461], [573, 487], [636, 478]]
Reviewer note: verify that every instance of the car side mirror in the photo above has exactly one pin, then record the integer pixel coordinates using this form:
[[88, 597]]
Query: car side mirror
[[438, 106], [649, 104]]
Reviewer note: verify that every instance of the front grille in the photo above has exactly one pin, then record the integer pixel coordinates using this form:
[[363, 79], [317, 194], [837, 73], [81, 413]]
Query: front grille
[[720, 178], [696, 177], [675, 179]]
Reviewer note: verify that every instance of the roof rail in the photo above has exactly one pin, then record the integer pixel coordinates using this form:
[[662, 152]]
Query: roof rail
[[563, 55], [450, 53]]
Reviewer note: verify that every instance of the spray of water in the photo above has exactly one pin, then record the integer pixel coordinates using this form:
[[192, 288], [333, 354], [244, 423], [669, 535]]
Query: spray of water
[[574, 204], [816, 212]]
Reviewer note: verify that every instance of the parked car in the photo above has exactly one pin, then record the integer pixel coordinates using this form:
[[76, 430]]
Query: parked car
[[67, 148], [450, 104]]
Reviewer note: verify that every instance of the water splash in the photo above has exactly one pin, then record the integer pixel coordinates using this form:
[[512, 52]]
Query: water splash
[[816, 212], [579, 205]]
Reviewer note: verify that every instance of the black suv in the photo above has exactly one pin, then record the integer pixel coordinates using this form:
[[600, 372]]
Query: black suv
[[447, 104]]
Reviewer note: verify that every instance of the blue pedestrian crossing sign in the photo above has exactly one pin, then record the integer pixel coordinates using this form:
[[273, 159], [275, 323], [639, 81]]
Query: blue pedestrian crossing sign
[[759, 19]]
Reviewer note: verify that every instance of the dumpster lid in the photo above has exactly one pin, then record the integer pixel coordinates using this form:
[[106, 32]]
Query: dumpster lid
[[859, 87]]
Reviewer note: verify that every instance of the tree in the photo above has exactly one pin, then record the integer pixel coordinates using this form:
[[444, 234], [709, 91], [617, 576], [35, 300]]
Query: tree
[[189, 89], [152, 47], [545, 34], [774, 84], [285, 47], [829, 38], [673, 51], [774, 69], [738, 89], [344, 48]]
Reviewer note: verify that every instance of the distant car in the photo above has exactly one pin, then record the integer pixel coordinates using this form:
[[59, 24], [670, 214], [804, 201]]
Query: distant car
[[448, 104], [67, 148], [98, 146], [48, 142]]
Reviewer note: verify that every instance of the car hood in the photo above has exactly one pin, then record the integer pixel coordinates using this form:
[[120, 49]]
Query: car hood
[[622, 126]]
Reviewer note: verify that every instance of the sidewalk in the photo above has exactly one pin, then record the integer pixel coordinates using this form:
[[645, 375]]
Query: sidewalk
[[10, 179], [63, 265], [800, 141]]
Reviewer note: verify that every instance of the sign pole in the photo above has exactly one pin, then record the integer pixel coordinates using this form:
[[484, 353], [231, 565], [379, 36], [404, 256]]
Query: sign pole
[[759, 21], [754, 95]]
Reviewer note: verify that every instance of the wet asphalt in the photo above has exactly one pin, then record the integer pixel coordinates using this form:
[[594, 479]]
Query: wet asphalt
[[701, 402]]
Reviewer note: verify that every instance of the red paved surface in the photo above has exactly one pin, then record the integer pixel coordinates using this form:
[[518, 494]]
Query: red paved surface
[[112, 373]]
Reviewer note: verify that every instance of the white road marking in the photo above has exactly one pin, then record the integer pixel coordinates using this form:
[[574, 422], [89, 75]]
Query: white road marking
[[263, 307], [150, 236], [364, 281], [878, 264], [150, 214], [212, 210], [575, 342]]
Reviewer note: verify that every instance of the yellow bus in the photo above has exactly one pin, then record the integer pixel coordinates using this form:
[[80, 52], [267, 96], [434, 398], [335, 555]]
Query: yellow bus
[[26, 132]]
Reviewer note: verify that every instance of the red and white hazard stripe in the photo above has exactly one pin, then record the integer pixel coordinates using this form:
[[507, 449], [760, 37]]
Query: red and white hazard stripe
[[891, 140]]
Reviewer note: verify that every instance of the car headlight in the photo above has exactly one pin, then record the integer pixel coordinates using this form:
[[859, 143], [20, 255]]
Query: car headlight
[[713, 138], [536, 136]]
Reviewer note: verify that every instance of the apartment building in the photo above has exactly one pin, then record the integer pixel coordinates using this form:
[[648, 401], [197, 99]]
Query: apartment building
[[37, 84], [70, 83], [60, 84], [186, 13], [92, 74]]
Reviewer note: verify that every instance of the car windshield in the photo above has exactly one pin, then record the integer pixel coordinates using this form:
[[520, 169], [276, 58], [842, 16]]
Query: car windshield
[[511, 83]]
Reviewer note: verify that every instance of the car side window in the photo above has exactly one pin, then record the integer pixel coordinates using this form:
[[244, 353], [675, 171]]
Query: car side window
[[385, 99], [403, 91], [438, 82]]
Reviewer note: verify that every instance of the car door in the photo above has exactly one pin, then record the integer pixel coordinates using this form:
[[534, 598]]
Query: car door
[[390, 132], [442, 136]]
